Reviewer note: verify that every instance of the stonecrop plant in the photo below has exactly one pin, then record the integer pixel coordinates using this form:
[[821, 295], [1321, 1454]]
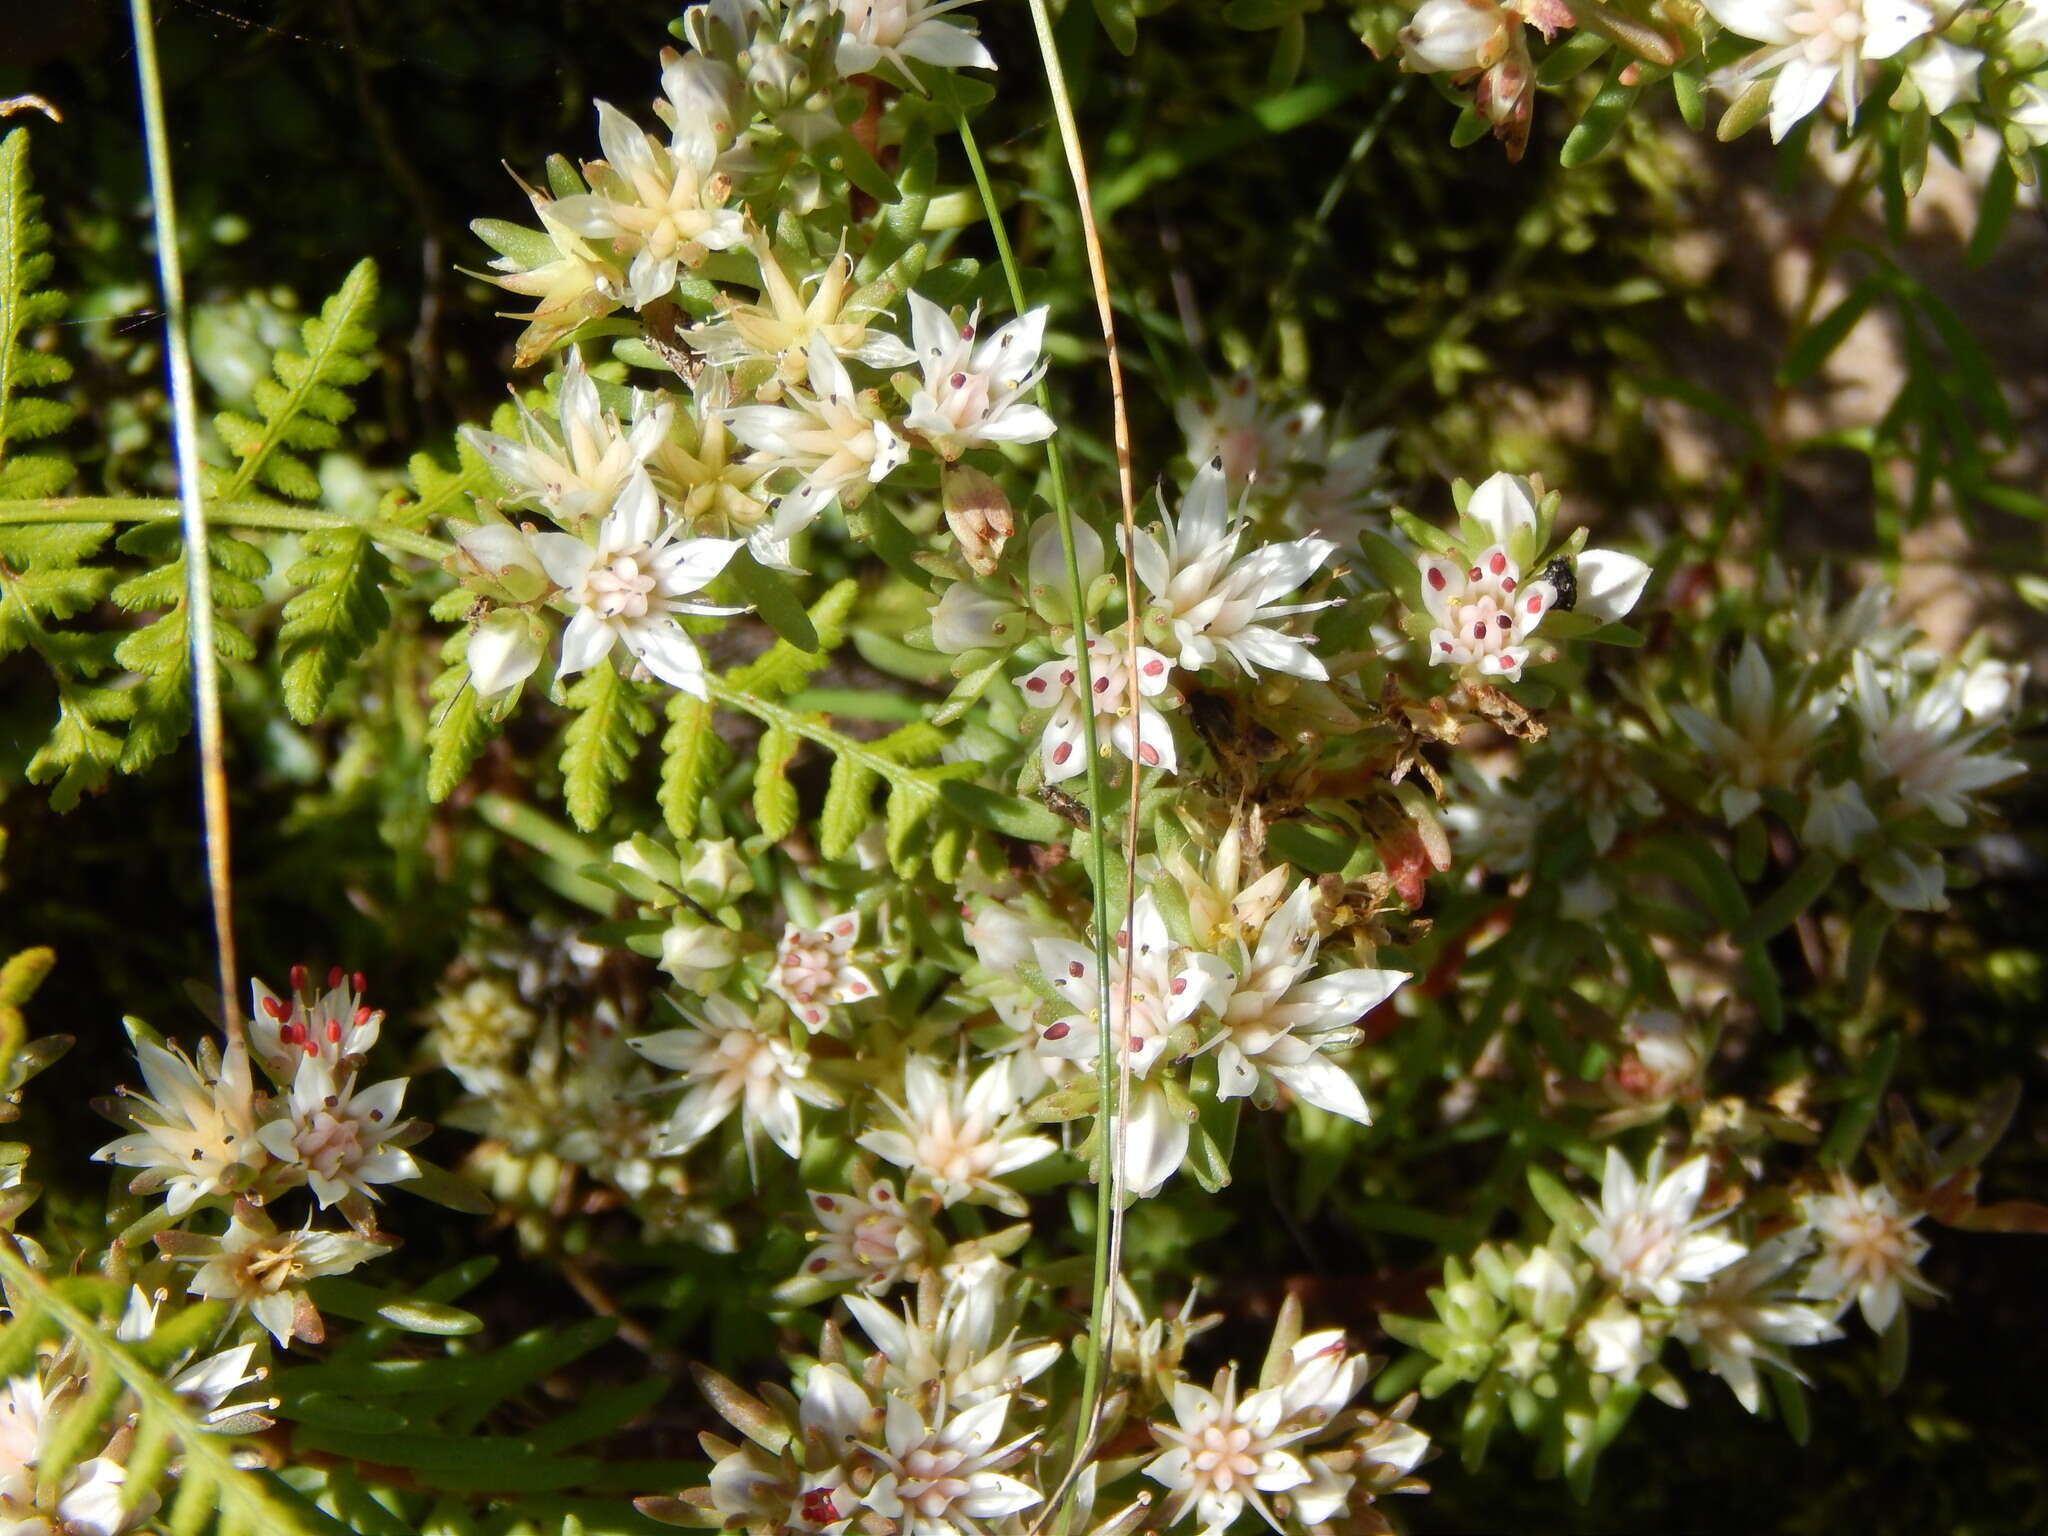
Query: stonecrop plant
[[1035, 855]]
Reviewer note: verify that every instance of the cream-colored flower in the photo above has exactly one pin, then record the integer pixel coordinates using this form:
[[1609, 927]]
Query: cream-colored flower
[[1869, 1253], [730, 1061], [957, 1139], [1644, 1236]]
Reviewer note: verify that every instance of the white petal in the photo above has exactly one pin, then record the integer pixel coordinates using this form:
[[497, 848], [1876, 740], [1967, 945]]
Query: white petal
[[1609, 582], [1321, 1082], [1888, 25], [669, 654], [1503, 503], [1763, 20], [586, 642], [1801, 86], [565, 558], [692, 564]]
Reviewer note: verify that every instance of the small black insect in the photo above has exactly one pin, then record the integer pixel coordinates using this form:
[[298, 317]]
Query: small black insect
[[1064, 806], [1559, 574]]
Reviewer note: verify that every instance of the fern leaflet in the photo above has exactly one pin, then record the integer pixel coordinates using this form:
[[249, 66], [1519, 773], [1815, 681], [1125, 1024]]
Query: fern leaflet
[[304, 404], [23, 264], [602, 742]]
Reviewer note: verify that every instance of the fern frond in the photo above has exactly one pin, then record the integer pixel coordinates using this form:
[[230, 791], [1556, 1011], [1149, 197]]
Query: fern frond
[[23, 264], [303, 406], [612, 719], [161, 651]]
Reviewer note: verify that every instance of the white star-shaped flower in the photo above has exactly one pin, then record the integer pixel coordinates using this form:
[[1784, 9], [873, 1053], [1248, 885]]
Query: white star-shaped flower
[[958, 1139], [1056, 685], [812, 969], [826, 434], [660, 204], [1817, 46], [902, 30], [731, 1062], [1644, 1236], [1218, 603], [1277, 1017], [973, 390], [629, 584]]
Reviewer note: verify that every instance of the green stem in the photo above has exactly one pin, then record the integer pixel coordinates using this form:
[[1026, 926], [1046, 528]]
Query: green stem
[[226, 514], [1098, 873], [213, 783], [813, 730]]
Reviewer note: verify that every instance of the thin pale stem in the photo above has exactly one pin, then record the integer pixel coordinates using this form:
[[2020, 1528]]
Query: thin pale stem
[[213, 780], [1098, 876], [1098, 270]]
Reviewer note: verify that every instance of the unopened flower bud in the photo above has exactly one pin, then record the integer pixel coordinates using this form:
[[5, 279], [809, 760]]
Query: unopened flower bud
[[1454, 37], [717, 876], [1837, 819], [703, 90], [966, 619], [503, 652], [501, 553], [695, 952], [778, 77], [1545, 1291], [979, 514]]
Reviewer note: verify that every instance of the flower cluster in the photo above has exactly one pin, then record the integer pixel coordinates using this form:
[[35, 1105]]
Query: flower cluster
[[1587, 1312], [53, 1479], [207, 1137], [928, 1428]]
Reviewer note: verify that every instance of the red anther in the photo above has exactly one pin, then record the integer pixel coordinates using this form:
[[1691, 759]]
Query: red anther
[[277, 1008], [818, 1507], [1062, 752], [361, 984], [312, 1046], [1180, 985], [1102, 685], [1058, 1031], [826, 1203], [1437, 579], [1498, 563], [1507, 583], [958, 381], [1148, 755], [818, 1267], [334, 976], [289, 1034], [1474, 573], [1076, 969], [1154, 668], [362, 1014], [298, 978], [334, 1031], [1035, 684], [1536, 603]]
